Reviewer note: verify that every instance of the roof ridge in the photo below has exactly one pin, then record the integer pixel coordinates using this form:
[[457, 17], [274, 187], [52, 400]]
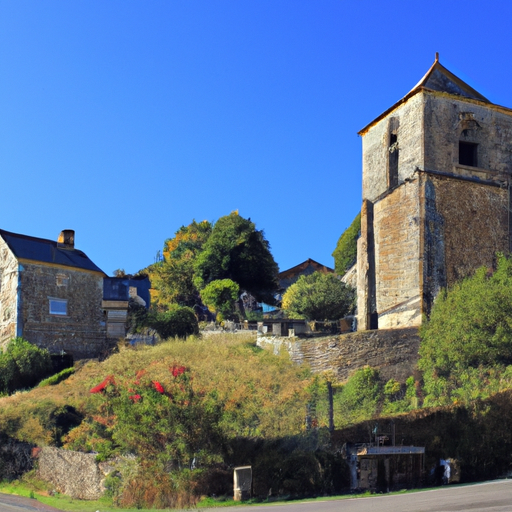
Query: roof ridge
[[27, 237]]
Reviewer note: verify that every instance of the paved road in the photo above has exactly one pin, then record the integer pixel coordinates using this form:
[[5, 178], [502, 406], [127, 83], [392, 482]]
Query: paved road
[[487, 497], [12, 503]]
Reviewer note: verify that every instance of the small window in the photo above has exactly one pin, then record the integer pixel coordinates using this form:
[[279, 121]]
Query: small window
[[468, 153], [58, 307]]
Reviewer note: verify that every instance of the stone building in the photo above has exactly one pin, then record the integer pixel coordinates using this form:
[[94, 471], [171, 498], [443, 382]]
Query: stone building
[[51, 294], [436, 197]]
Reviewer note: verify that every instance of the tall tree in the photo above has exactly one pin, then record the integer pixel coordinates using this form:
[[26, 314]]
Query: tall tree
[[236, 250], [173, 276], [345, 254]]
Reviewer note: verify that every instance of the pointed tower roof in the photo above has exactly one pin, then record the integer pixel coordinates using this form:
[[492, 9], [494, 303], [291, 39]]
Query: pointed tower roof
[[438, 79]]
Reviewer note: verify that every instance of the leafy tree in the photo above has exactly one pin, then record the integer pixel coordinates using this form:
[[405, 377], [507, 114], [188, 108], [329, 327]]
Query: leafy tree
[[236, 250], [23, 365], [345, 254], [172, 277], [468, 335], [319, 296], [220, 297]]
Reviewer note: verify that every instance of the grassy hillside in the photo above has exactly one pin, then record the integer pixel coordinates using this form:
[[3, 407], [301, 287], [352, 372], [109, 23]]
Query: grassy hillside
[[261, 394]]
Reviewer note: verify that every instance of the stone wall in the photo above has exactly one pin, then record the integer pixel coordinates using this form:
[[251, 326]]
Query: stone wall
[[448, 120], [475, 224], [73, 473], [8, 294], [81, 332], [394, 352], [397, 257], [406, 123]]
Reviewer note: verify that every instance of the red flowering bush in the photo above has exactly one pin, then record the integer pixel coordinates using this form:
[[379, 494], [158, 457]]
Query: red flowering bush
[[102, 386], [177, 370], [165, 421], [158, 386]]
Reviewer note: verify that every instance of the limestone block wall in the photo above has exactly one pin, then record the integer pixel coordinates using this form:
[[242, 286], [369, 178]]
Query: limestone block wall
[[397, 222], [407, 122], [82, 331], [474, 224], [446, 118], [8, 294], [394, 352]]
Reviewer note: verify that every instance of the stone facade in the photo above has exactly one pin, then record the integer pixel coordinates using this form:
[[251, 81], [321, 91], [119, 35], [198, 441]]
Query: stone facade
[[9, 276], [436, 197], [51, 295], [81, 332]]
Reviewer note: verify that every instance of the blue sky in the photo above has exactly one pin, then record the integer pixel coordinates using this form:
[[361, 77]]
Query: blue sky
[[124, 120]]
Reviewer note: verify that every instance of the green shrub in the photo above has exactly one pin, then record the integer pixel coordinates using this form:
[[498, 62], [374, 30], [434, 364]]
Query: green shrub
[[220, 297], [177, 322], [359, 397], [468, 336], [58, 377], [23, 365]]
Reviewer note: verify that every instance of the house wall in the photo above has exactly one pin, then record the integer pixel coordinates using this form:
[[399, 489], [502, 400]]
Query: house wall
[[82, 332], [8, 294]]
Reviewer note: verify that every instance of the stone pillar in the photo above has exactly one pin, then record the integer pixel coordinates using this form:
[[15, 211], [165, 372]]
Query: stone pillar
[[366, 296], [242, 483]]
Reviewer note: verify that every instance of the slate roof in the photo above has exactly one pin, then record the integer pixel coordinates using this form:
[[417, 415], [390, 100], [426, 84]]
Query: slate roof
[[438, 79], [46, 251]]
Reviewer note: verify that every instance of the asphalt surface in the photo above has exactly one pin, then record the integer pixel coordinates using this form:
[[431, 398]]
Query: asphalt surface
[[13, 503], [493, 496]]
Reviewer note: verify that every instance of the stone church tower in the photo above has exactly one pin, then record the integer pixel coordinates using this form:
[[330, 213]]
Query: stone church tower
[[437, 171]]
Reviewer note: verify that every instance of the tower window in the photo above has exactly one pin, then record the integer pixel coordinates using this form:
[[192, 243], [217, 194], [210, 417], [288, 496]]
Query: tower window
[[393, 160], [468, 153]]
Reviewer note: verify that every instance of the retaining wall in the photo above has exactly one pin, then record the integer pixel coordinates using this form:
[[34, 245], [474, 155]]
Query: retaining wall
[[394, 352]]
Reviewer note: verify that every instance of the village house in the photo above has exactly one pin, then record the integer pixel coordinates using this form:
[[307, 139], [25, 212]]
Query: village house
[[288, 277], [52, 295], [436, 197]]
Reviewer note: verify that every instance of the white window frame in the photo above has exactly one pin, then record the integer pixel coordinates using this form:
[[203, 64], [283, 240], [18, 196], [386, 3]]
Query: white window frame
[[53, 301]]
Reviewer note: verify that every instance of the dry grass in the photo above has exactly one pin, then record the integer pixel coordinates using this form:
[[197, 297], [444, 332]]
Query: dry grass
[[263, 394]]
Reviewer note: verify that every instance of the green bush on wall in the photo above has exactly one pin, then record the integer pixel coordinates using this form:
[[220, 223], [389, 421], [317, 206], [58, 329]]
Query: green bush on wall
[[23, 365]]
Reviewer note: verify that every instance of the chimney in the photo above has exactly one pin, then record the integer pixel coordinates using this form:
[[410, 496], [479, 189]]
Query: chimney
[[66, 239]]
